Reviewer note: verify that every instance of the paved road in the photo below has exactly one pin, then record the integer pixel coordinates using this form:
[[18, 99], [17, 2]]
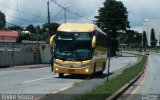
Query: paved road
[[42, 80], [120, 62], [32, 81], [152, 83], [148, 87]]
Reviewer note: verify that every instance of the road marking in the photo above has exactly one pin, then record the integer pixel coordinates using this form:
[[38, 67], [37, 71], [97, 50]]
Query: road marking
[[62, 89], [37, 79]]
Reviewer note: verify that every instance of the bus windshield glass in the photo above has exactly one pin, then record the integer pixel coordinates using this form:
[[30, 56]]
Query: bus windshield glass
[[73, 46]]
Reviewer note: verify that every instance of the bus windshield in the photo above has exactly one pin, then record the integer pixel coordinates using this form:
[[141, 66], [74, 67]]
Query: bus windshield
[[73, 46]]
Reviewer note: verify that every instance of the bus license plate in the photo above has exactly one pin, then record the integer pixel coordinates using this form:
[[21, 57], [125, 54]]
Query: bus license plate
[[71, 70]]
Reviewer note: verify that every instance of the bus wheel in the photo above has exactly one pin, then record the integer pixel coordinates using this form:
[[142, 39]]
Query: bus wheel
[[103, 68], [61, 75], [94, 72], [90, 76]]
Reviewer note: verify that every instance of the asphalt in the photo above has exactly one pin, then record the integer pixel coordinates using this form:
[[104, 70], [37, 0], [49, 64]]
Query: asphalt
[[118, 64], [39, 80], [147, 88], [151, 84]]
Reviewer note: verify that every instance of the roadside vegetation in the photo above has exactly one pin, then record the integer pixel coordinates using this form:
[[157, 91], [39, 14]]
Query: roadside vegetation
[[107, 89]]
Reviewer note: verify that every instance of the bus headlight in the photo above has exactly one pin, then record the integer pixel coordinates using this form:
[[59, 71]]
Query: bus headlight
[[56, 69], [87, 70]]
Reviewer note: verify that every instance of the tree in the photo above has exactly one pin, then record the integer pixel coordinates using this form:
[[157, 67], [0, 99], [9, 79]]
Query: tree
[[132, 38], [145, 42], [113, 17], [23, 36], [15, 27], [39, 29], [31, 29], [53, 28], [2, 20], [153, 39]]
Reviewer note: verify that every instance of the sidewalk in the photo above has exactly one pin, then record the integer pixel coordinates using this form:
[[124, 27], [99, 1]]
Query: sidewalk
[[24, 67]]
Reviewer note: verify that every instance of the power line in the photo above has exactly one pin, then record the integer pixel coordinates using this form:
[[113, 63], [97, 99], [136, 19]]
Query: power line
[[57, 14], [71, 11], [12, 24], [19, 18], [5, 2], [26, 13]]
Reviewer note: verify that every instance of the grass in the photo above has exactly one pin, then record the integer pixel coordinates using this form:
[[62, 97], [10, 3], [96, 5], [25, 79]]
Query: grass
[[105, 90]]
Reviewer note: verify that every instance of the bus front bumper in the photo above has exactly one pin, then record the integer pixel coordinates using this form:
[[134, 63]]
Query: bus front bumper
[[81, 70]]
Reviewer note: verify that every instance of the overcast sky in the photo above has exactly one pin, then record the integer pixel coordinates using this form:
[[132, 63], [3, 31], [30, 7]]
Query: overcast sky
[[25, 12]]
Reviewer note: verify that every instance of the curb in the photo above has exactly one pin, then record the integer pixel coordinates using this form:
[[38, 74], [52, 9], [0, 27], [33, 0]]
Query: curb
[[125, 87]]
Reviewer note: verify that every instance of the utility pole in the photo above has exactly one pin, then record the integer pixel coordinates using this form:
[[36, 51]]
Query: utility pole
[[48, 20], [52, 67]]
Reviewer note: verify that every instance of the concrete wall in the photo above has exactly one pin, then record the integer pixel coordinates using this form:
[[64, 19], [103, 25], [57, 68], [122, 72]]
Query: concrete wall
[[13, 54], [13, 58]]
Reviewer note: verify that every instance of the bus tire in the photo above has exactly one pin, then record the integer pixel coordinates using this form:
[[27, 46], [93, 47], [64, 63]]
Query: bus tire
[[94, 71], [61, 75], [103, 68], [52, 66], [92, 74]]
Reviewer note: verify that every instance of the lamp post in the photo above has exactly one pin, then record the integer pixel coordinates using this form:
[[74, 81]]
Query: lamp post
[[109, 56], [65, 16]]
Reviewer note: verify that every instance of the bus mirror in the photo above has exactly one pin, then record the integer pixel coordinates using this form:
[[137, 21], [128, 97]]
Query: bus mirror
[[94, 42], [51, 40]]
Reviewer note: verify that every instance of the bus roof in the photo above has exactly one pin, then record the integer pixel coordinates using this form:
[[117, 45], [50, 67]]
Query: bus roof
[[76, 27]]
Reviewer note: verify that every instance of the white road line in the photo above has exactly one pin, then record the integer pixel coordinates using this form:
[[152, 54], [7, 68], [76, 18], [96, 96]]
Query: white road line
[[62, 89], [37, 79]]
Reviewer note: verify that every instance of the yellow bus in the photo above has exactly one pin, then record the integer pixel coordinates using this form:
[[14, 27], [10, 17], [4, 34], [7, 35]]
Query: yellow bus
[[79, 48]]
